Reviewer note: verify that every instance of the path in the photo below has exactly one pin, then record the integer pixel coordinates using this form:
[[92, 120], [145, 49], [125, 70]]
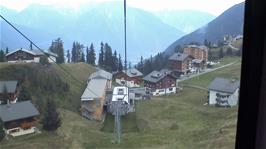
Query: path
[[206, 71]]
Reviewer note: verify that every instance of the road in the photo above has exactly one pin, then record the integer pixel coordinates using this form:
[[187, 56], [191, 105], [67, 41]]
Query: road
[[206, 71]]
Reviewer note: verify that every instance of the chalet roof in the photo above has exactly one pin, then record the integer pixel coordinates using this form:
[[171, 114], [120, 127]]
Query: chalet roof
[[133, 72], [10, 86], [94, 89], [38, 52], [156, 76], [101, 74], [33, 52], [224, 85], [16, 111], [179, 56], [199, 47]]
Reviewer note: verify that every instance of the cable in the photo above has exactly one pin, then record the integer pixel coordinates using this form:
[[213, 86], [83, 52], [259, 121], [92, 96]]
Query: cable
[[81, 83]]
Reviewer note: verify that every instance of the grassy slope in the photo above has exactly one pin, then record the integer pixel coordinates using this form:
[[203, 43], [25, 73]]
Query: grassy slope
[[165, 122]]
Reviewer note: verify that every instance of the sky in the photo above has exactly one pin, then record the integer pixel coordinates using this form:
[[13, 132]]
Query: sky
[[215, 7]]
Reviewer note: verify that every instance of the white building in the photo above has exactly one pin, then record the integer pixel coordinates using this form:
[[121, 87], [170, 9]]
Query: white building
[[29, 56], [224, 92]]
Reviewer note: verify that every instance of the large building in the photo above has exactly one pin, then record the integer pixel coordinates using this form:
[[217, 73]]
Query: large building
[[131, 77], [160, 82], [198, 52], [180, 63], [29, 56], [19, 118], [10, 87], [94, 96], [224, 92]]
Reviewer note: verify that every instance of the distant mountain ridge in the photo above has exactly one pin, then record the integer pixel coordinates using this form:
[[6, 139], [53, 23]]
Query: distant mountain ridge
[[100, 23], [185, 20], [228, 23]]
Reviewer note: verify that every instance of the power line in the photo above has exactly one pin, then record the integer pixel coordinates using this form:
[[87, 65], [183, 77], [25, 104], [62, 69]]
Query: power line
[[9, 23]]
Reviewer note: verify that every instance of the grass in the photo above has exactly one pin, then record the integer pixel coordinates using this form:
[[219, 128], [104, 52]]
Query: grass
[[204, 80], [128, 123], [177, 121]]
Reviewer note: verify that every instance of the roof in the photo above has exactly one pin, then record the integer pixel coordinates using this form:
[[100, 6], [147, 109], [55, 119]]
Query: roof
[[101, 74], [197, 61], [224, 85], [179, 56], [38, 52], [33, 52], [16, 111], [133, 72], [199, 47], [24, 50], [10, 86], [156, 76], [94, 89]]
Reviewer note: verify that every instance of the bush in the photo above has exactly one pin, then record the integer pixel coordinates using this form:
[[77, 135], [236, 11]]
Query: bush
[[2, 132]]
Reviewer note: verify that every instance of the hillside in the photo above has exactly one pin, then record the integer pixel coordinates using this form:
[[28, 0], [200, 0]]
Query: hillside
[[228, 23], [175, 121], [185, 20], [50, 82], [101, 22]]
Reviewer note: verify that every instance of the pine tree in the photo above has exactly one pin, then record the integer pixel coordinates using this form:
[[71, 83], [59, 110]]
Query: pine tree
[[91, 55], [24, 94], [74, 55], [120, 65], [57, 47], [2, 56], [82, 57], [221, 53], [51, 120], [68, 56], [2, 132], [108, 56], [5, 95], [141, 64], [7, 51], [114, 61], [101, 56], [87, 55]]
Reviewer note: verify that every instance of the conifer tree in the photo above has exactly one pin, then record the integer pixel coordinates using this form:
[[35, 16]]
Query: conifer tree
[[68, 56], [2, 132], [101, 56], [51, 120], [91, 55], [57, 47], [120, 65], [221, 53], [2, 56], [7, 51], [24, 94]]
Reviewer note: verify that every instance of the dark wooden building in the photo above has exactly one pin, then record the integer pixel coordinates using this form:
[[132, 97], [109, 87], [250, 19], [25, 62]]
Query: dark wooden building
[[132, 76], [160, 82], [180, 63], [19, 118], [10, 87]]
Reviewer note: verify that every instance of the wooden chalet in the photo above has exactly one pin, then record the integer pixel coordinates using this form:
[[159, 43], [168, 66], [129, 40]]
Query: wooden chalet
[[160, 82], [29, 56], [19, 118], [132, 77], [93, 98], [11, 89], [180, 63]]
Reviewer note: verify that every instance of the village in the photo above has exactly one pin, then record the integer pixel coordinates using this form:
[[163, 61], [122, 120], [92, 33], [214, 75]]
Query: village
[[129, 87]]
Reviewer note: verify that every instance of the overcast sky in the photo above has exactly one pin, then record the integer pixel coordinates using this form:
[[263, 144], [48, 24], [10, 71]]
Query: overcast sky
[[215, 7]]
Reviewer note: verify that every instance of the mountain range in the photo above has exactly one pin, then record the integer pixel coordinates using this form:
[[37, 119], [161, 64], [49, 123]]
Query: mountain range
[[185, 20], [103, 22], [229, 22]]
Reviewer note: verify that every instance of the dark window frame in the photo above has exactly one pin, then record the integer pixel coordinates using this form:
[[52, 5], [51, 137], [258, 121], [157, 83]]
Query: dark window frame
[[251, 125]]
